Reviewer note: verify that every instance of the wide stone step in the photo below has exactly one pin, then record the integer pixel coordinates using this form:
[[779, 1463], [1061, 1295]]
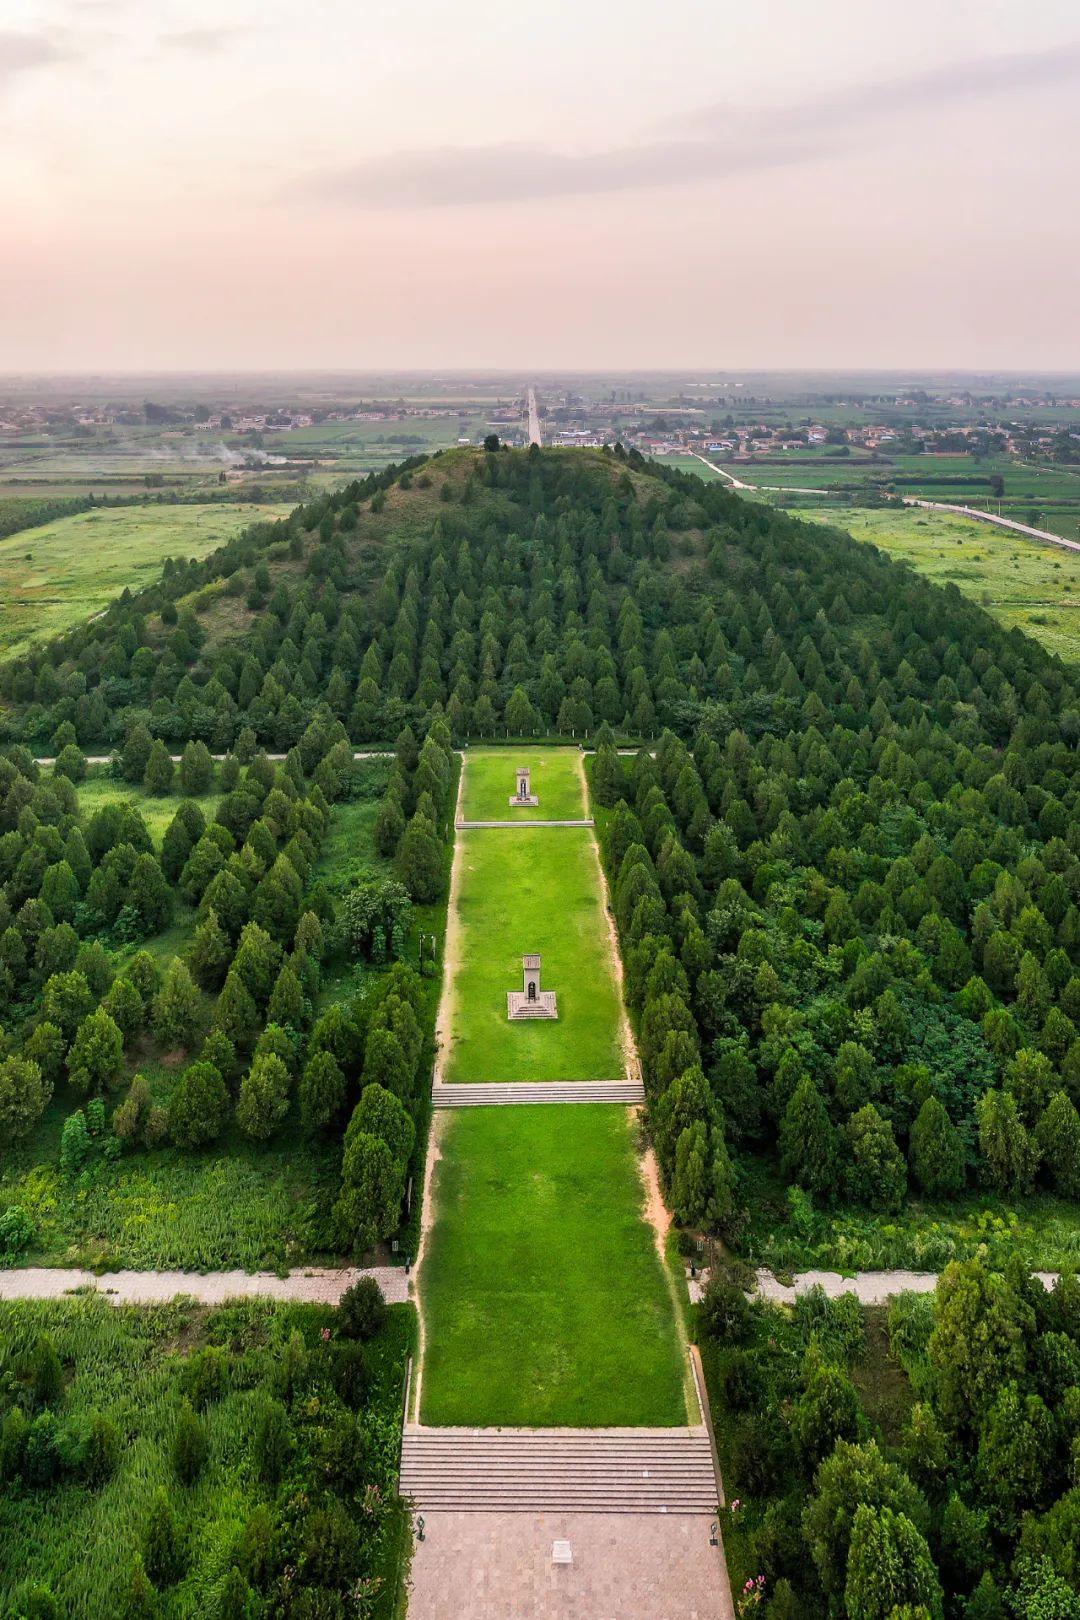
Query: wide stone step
[[582, 1470], [627, 1092]]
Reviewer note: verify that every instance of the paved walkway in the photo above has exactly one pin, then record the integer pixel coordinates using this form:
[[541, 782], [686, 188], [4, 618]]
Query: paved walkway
[[107, 759], [624, 1566], [315, 1286], [869, 1287]]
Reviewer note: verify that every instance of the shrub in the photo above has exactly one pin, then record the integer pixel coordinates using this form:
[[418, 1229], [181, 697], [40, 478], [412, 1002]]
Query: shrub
[[205, 1376], [162, 1550], [129, 1120], [74, 1144], [101, 1451], [190, 1445], [32, 1601], [725, 1313], [16, 1231], [362, 1309], [272, 1444]]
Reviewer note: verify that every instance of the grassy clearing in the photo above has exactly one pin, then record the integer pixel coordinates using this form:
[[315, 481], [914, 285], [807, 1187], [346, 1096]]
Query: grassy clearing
[[1042, 1231], [125, 1364], [544, 1298], [59, 574], [252, 1205], [535, 890], [490, 783], [156, 810], [1023, 583]]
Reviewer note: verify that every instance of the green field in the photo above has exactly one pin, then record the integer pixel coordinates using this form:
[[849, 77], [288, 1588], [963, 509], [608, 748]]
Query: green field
[[490, 783], [59, 574], [544, 1298], [80, 1540], [523, 891], [157, 810], [1024, 583]]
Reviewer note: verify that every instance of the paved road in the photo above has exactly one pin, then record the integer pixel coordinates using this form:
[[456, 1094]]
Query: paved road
[[107, 759], [319, 1285], [869, 1287], [908, 500], [534, 418]]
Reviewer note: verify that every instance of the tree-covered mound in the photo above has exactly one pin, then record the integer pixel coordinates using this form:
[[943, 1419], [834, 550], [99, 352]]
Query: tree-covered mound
[[844, 864]]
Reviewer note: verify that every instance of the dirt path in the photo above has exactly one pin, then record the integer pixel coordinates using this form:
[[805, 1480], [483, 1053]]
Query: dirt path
[[452, 943], [427, 1208], [316, 1286], [626, 1035]]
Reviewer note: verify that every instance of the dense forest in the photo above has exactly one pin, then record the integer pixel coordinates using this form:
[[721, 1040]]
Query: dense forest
[[845, 867]]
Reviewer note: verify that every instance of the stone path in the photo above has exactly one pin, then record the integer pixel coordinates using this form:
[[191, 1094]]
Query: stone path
[[869, 1287], [315, 1286], [624, 1566], [481, 1095]]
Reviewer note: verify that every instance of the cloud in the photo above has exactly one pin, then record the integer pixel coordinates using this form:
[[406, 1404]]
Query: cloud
[[710, 143], [200, 41], [20, 53]]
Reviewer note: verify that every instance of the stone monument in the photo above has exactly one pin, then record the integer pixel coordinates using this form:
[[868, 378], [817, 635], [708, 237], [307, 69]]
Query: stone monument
[[530, 1001], [524, 794]]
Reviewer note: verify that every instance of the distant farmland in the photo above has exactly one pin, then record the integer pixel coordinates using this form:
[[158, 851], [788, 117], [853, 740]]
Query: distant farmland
[[1023, 583], [57, 575]]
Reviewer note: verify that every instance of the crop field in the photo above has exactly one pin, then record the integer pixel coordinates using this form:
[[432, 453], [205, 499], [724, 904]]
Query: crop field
[[123, 1366], [1023, 583], [490, 783], [405, 433], [544, 1297], [59, 574], [524, 891]]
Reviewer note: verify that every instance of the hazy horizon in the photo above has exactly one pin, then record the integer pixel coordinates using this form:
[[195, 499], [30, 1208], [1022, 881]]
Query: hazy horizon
[[240, 188]]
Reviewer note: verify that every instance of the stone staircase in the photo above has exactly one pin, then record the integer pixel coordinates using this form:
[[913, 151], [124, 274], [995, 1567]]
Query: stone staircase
[[519, 1007], [627, 1092], [558, 1470]]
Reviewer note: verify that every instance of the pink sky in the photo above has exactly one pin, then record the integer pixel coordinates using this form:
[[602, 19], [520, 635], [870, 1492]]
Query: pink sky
[[254, 184]]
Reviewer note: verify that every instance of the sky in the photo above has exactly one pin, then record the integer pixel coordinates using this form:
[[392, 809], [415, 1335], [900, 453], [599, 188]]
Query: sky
[[249, 184]]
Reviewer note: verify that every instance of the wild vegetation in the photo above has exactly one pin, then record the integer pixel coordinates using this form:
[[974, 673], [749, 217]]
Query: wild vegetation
[[914, 1461], [176, 1461]]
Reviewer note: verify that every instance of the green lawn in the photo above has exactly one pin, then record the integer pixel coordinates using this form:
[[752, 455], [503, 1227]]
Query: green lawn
[[543, 1295], [156, 810], [1025, 584], [490, 783], [57, 575], [525, 891]]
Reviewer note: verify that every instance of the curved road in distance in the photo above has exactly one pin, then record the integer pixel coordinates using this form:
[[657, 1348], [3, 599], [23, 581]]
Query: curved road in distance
[[908, 500]]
